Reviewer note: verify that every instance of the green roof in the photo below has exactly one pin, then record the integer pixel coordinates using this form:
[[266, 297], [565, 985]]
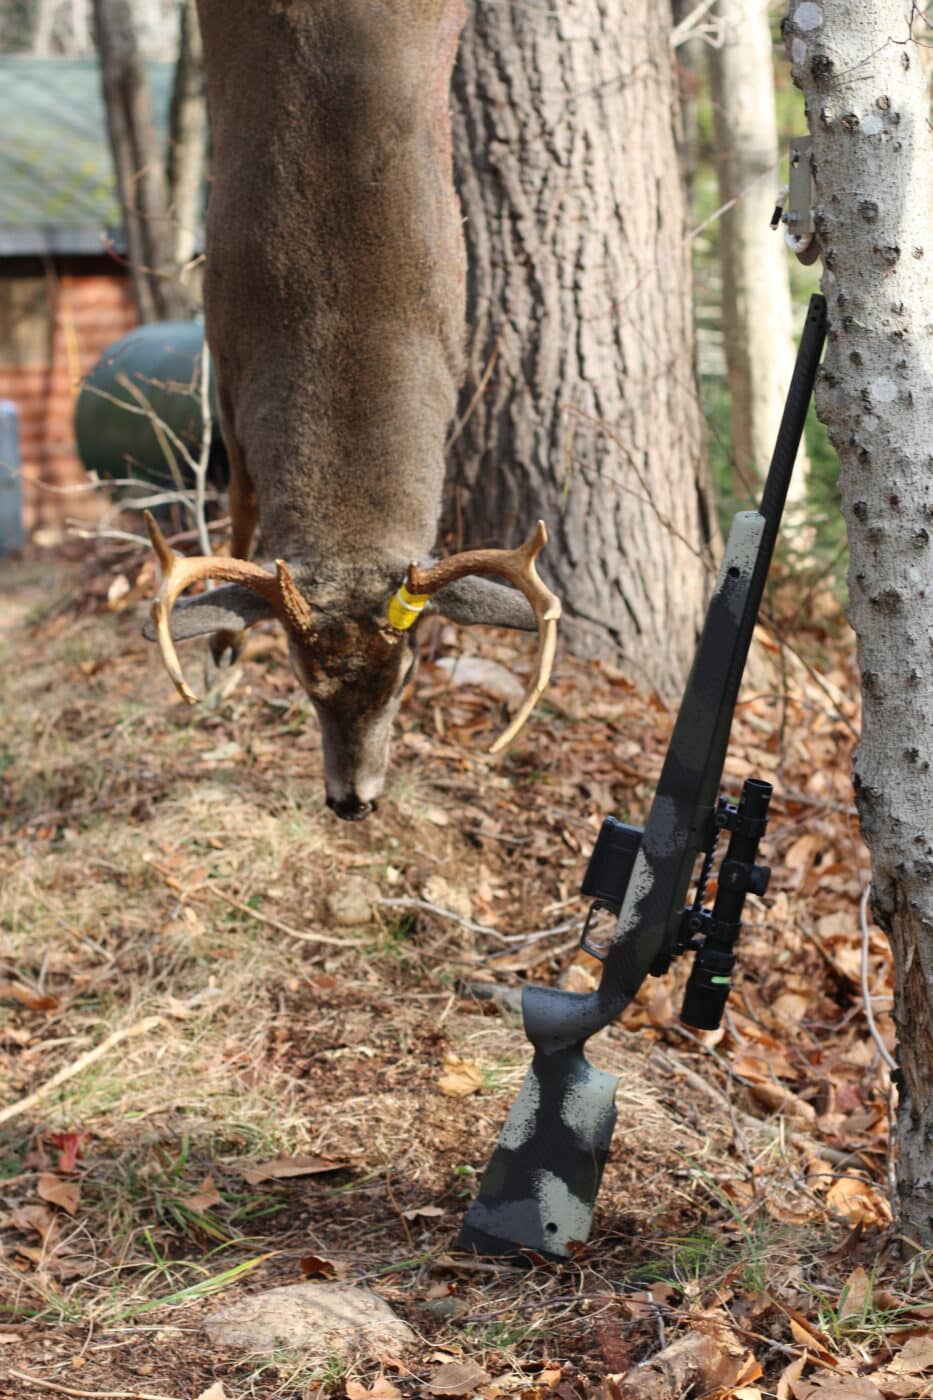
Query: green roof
[[57, 189]]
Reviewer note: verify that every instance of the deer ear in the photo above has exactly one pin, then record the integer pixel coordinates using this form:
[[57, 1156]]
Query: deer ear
[[226, 609], [478, 600]]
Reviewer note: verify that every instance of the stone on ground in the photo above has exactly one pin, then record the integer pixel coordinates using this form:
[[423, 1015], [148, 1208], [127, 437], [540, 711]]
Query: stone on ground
[[319, 1319]]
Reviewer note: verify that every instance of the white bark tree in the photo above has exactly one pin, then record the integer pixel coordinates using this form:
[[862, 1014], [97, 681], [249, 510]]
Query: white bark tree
[[867, 108], [758, 330]]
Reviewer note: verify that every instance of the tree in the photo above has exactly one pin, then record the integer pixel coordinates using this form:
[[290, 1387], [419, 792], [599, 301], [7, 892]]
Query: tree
[[581, 402], [867, 107], [138, 164], [187, 135], [756, 306]]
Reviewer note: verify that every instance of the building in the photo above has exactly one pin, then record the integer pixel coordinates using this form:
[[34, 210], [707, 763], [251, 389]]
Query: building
[[65, 294]]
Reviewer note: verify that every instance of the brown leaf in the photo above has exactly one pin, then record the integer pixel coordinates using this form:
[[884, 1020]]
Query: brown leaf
[[382, 1389], [460, 1078], [312, 1266], [914, 1358], [206, 1196], [856, 1292], [789, 1375], [299, 1165], [31, 1217], [857, 1201], [826, 1386], [35, 1001], [66, 1194], [785, 1103], [457, 1378], [426, 1213]]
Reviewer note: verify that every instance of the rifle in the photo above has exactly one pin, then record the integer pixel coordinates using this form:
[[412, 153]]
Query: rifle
[[539, 1189]]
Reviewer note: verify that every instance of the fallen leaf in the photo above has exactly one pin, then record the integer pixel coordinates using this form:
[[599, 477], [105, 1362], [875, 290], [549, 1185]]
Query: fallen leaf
[[426, 1212], [789, 1375], [213, 1392], [31, 1217], [66, 1194], [299, 1165], [382, 1389], [35, 1001], [312, 1266], [696, 1363], [206, 1196], [826, 1386], [460, 1078], [855, 1294], [857, 1201], [69, 1148], [915, 1357], [457, 1378]]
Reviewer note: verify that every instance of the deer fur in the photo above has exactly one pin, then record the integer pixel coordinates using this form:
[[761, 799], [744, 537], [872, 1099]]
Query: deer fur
[[334, 293]]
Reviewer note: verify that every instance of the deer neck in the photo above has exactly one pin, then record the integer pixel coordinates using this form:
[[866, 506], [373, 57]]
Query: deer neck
[[334, 279]]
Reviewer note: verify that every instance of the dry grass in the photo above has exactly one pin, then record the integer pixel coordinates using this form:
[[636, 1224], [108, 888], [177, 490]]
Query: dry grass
[[126, 813]]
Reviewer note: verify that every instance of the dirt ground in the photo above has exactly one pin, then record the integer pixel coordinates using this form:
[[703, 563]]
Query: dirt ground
[[231, 1061]]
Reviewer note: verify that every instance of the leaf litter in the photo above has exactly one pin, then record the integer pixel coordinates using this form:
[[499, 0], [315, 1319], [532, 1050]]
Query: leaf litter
[[288, 1104]]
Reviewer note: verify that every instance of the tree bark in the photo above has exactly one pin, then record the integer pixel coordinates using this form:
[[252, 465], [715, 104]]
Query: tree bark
[[758, 328], [187, 136], [138, 165], [873, 161], [580, 403]]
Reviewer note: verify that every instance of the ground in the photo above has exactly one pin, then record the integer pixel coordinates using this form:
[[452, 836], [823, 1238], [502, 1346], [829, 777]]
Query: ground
[[295, 1080]]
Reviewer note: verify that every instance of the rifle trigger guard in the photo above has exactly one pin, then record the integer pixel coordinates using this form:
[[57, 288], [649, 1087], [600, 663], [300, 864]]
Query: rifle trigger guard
[[597, 907]]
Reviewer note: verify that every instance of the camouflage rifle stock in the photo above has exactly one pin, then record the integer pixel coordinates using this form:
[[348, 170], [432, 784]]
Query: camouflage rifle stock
[[539, 1189]]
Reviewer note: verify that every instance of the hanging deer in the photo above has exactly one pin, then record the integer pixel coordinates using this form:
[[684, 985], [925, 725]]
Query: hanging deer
[[334, 308]]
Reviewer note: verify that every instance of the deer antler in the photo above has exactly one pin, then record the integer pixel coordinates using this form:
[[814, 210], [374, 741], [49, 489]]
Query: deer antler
[[180, 571], [518, 567]]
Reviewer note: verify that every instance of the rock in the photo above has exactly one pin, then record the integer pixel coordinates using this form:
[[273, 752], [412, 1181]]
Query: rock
[[318, 1319], [352, 904]]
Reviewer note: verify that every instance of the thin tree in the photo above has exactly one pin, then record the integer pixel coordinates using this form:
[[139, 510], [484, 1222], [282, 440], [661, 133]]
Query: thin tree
[[138, 165], [581, 401], [867, 108], [757, 320], [187, 136]]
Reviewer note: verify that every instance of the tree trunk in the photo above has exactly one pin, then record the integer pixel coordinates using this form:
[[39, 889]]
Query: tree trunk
[[138, 165], [187, 136], [580, 403], [873, 160], [758, 327]]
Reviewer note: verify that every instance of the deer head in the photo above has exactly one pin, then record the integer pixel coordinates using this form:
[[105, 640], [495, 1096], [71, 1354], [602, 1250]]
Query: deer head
[[354, 660], [334, 291]]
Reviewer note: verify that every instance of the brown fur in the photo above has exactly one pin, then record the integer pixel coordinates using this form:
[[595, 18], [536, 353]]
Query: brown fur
[[334, 285], [334, 296]]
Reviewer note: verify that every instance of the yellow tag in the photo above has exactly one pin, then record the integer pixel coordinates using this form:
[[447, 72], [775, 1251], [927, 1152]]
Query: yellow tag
[[405, 608]]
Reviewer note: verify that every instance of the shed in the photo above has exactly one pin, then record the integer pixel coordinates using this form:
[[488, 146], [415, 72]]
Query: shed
[[65, 293]]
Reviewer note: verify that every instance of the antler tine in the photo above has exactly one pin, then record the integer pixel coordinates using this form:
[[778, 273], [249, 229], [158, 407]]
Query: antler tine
[[518, 567], [180, 571]]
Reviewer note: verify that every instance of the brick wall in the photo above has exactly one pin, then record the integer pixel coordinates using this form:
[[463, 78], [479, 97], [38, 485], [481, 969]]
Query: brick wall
[[56, 318]]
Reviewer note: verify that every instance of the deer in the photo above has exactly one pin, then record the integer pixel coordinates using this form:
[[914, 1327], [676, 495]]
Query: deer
[[334, 295]]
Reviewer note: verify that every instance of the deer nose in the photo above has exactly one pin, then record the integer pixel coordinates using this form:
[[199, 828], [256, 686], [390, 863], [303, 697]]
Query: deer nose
[[350, 808]]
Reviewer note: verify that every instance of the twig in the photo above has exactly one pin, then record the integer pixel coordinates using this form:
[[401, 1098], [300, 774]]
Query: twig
[[90, 1394], [883, 1050], [206, 887], [508, 940], [277, 923], [764, 1125], [91, 1057]]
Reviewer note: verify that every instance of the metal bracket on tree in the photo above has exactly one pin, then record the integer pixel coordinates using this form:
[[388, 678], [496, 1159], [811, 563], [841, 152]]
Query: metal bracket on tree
[[795, 204]]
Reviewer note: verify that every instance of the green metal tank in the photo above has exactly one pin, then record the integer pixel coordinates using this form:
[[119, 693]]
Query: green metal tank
[[163, 363]]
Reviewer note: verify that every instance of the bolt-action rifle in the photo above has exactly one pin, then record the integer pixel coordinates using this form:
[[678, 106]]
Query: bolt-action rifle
[[539, 1189]]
